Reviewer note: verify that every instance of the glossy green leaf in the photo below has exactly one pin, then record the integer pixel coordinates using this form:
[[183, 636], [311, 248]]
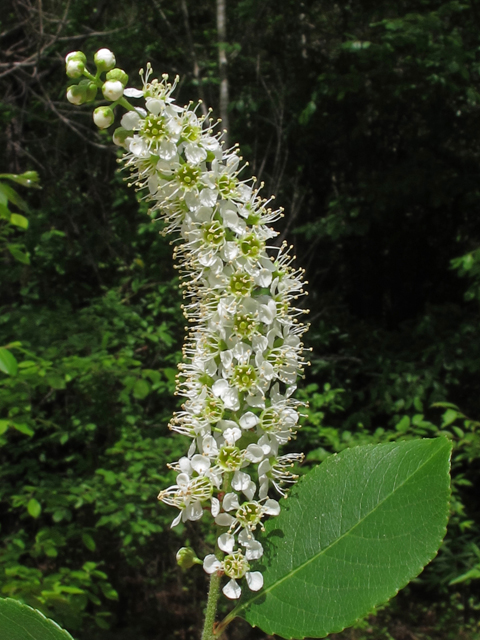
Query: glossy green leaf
[[355, 530], [34, 508], [8, 362], [20, 622]]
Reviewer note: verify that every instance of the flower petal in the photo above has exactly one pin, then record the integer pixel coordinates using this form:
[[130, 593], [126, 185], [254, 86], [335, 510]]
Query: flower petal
[[232, 590], [254, 580], [215, 507], [211, 564], [226, 542], [224, 520]]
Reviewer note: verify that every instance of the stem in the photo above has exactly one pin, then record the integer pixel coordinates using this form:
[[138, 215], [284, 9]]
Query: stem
[[213, 593]]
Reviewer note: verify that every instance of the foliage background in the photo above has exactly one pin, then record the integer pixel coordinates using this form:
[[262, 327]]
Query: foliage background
[[363, 119]]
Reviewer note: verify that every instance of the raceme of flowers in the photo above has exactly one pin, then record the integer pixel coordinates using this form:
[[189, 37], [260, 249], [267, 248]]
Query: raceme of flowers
[[243, 353]]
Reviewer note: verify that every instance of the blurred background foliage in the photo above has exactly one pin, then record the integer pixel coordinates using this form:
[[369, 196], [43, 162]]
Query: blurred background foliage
[[363, 118]]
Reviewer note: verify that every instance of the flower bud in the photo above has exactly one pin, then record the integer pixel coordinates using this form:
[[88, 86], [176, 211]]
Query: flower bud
[[75, 64], [104, 60], [91, 91], [120, 135], [74, 68], [112, 90], [77, 94], [103, 117], [186, 558], [76, 55], [118, 74]]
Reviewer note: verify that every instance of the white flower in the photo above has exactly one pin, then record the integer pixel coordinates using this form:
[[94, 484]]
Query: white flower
[[235, 566], [243, 354], [187, 495]]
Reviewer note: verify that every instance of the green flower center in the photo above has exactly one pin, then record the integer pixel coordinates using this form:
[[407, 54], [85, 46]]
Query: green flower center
[[244, 325], [187, 175], [249, 515], [226, 184], [153, 128], [213, 410], [244, 377], [191, 133], [213, 233], [251, 246], [235, 565], [241, 284], [230, 458]]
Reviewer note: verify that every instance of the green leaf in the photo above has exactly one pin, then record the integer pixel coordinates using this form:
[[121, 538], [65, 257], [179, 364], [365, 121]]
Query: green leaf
[[355, 530], [27, 179], [448, 417], [34, 508], [4, 210], [18, 254], [13, 196], [141, 389], [8, 362], [56, 381], [19, 622], [19, 220], [89, 542], [23, 428]]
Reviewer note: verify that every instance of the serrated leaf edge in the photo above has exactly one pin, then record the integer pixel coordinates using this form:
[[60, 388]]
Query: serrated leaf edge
[[22, 605]]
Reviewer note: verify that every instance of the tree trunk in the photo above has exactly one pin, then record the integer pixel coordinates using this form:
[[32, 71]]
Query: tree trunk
[[222, 60]]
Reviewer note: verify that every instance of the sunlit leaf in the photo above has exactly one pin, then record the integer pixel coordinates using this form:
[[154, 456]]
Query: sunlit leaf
[[19, 220], [34, 508], [356, 530], [8, 362]]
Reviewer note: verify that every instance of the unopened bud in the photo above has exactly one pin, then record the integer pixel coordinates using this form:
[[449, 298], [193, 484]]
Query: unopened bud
[[118, 74], [104, 60], [91, 90], [76, 55], [103, 117], [186, 558], [119, 136], [112, 90], [74, 68], [77, 94]]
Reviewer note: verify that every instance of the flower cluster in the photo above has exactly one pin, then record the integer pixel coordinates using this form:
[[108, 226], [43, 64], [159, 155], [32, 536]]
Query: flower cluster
[[243, 352]]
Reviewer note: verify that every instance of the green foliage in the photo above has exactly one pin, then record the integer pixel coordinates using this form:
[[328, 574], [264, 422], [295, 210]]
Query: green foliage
[[8, 220], [354, 532], [363, 119], [18, 621]]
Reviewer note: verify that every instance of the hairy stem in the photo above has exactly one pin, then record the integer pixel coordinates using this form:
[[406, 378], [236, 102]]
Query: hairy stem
[[213, 593]]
